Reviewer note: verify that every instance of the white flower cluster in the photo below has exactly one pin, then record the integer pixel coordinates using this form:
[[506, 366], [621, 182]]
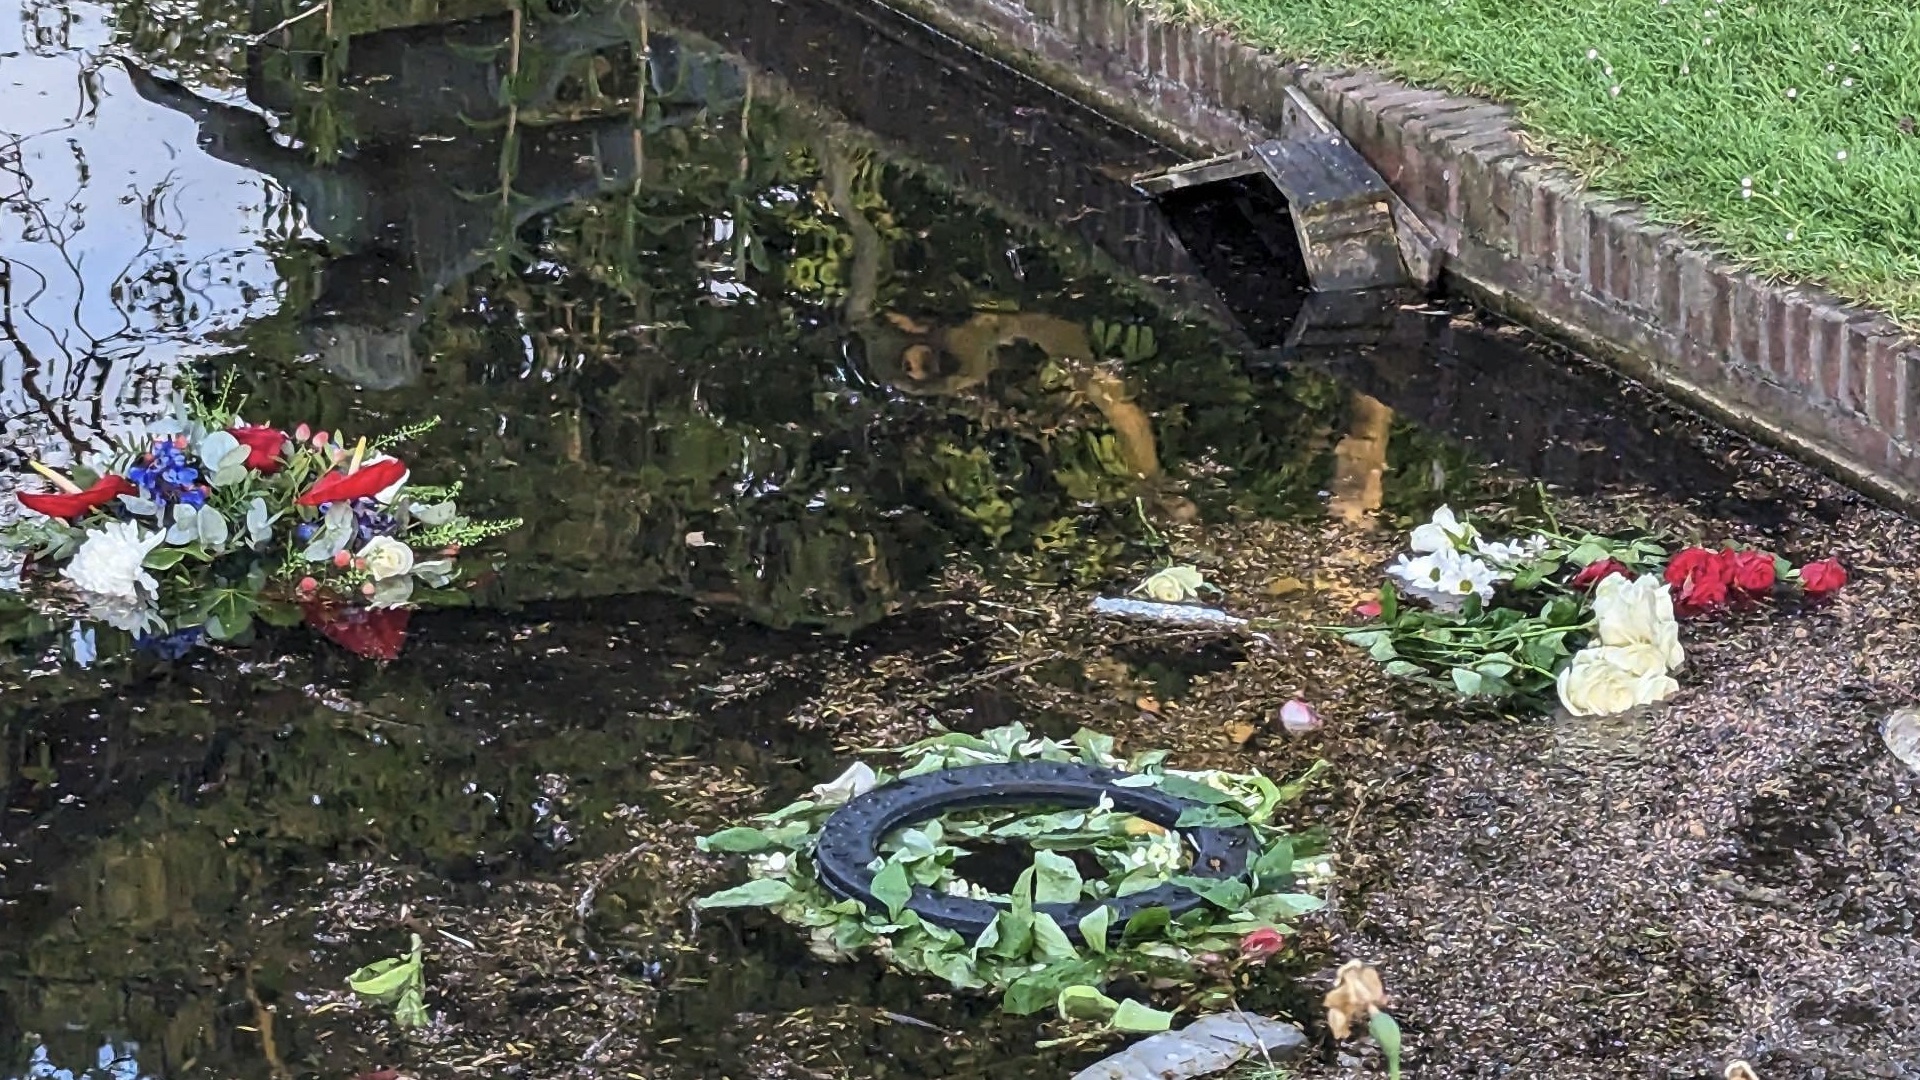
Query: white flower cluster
[[1452, 561], [1635, 651]]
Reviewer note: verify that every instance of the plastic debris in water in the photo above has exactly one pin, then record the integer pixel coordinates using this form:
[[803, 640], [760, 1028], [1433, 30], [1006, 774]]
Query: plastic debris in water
[[1206, 1046], [1298, 718], [1176, 614], [1901, 731]]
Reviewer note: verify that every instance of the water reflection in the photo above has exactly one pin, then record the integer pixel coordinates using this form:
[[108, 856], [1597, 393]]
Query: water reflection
[[123, 249], [742, 367]]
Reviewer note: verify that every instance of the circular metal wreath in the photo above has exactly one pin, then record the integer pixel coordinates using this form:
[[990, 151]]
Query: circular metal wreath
[[850, 840]]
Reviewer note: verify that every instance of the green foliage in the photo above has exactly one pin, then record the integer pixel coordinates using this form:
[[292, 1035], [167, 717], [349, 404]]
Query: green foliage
[[1025, 953], [1783, 133], [399, 982]]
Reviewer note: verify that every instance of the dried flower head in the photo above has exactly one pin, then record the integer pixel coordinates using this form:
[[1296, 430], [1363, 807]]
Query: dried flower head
[[1356, 995]]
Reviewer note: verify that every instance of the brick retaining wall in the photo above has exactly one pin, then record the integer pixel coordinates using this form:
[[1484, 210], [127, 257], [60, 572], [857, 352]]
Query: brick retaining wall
[[1829, 381]]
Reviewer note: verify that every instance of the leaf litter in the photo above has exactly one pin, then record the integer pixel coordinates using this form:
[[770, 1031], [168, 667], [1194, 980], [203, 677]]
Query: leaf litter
[[1661, 894]]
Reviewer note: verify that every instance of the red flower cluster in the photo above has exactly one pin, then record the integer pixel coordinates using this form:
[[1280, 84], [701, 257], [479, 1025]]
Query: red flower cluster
[[1703, 579], [266, 446], [371, 479], [71, 505], [1596, 572]]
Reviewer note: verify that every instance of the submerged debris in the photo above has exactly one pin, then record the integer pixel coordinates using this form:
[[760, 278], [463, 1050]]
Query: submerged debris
[[1176, 614], [1202, 1048], [1901, 732]]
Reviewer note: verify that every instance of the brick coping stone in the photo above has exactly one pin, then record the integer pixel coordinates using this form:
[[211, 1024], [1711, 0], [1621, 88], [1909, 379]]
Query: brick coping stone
[[1831, 382]]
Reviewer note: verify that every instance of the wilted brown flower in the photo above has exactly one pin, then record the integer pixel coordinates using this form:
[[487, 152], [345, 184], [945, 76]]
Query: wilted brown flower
[[1356, 996]]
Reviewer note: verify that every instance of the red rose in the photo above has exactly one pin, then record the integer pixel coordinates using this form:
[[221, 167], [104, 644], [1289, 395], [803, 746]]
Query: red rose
[[1596, 572], [65, 505], [1823, 577], [373, 478], [266, 447], [1261, 944], [1699, 577], [1752, 571]]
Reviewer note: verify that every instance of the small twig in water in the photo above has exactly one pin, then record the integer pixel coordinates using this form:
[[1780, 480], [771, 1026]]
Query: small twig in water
[[286, 22], [903, 1018]]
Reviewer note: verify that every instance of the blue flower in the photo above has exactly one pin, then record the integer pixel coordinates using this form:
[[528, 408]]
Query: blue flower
[[166, 476]]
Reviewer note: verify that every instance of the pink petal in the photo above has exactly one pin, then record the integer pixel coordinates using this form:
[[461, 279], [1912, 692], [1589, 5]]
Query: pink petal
[[1298, 718]]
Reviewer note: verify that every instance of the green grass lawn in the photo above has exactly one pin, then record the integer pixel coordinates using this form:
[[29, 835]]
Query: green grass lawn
[[1782, 130]]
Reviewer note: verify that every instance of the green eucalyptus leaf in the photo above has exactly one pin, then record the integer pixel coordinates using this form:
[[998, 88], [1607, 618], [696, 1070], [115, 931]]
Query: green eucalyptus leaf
[[1282, 907], [1093, 928], [1275, 864], [1050, 943], [1226, 894], [1209, 817], [891, 887], [1056, 880], [1146, 924], [384, 978], [739, 840], [1193, 791], [411, 1010], [212, 527], [1135, 1018], [761, 892], [163, 558], [1083, 1002]]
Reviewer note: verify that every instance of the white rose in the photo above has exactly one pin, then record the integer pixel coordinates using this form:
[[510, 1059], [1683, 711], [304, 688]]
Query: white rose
[[1444, 533], [1174, 585], [386, 558], [856, 781], [1605, 680], [1638, 612], [109, 561]]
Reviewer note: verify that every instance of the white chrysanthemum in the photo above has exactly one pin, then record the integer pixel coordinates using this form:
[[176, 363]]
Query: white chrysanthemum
[[131, 614], [108, 562]]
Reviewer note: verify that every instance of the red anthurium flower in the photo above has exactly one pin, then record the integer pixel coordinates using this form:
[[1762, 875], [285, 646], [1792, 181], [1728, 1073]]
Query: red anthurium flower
[[64, 505], [1596, 572], [1751, 571], [266, 446], [1699, 577], [372, 478], [375, 633], [1823, 577], [1261, 944]]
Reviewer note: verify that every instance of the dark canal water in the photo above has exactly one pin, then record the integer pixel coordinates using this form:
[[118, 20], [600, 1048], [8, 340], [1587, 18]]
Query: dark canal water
[[773, 322]]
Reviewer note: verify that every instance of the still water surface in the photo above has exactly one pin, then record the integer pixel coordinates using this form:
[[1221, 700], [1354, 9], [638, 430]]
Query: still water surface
[[772, 322]]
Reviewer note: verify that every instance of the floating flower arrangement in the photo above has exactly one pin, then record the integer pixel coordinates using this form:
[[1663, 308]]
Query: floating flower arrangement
[[1590, 619], [1024, 955], [213, 523]]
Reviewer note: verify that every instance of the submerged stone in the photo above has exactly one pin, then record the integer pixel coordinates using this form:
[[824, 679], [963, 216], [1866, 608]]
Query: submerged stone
[[1202, 1048]]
